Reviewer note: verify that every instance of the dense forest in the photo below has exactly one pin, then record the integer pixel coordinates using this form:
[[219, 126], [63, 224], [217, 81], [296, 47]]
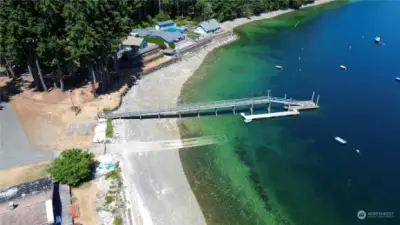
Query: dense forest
[[65, 36]]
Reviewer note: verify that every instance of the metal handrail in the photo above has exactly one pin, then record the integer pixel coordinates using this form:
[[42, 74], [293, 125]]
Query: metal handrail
[[192, 107]]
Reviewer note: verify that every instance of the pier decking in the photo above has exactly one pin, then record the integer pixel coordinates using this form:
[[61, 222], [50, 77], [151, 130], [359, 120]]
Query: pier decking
[[215, 105]]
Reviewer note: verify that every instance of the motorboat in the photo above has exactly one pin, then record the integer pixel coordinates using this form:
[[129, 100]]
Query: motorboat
[[377, 40], [343, 67], [358, 151], [340, 140], [279, 67], [397, 78]]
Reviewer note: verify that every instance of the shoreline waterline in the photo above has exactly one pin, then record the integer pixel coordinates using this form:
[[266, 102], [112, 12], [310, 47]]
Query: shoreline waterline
[[158, 180], [184, 128]]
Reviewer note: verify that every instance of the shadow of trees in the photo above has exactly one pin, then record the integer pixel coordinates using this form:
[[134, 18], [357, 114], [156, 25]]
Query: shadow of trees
[[12, 88]]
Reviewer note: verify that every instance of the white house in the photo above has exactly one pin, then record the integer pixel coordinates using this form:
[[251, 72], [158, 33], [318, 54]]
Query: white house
[[207, 27]]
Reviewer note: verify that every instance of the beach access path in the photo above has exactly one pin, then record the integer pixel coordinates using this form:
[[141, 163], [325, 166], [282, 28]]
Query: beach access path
[[157, 190]]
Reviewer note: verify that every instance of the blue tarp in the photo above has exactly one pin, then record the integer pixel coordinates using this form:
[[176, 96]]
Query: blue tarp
[[175, 28]]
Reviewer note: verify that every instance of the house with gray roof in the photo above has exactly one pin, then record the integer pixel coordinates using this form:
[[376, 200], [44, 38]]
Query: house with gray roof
[[140, 32], [168, 36], [162, 25], [207, 27]]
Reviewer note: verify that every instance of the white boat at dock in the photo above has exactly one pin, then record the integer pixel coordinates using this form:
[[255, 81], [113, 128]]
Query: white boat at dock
[[249, 118], [397, 78], [278, 67], [377, 40], [340, 140], [343, 67]]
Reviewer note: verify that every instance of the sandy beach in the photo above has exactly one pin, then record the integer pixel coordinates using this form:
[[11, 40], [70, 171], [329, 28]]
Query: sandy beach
[[156, 187]]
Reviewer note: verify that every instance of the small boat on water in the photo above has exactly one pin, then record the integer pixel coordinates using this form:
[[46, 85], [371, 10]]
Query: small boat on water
[[358, 151], [397, 78], [377, 40], [279, 67], [340, 140], [343, 67]]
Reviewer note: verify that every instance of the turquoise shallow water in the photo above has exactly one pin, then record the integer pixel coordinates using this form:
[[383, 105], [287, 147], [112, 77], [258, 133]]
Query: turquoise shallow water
[[290, 170]]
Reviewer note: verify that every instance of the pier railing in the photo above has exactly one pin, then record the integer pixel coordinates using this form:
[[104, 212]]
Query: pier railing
[[214, 105]]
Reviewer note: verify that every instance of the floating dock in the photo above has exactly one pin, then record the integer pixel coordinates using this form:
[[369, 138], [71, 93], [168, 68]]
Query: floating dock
[[269, 115]]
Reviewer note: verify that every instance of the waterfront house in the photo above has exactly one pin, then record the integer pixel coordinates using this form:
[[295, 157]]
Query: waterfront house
[[207, 27], [167, 36], [139, 32], [163, 25]]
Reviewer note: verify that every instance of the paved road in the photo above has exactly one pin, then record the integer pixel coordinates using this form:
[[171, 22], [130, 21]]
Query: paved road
[[15, 150]]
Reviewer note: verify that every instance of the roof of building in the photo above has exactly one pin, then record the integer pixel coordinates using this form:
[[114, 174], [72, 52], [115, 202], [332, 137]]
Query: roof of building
[[209, 25], [141, 32], [30, 199], [168, 36], [165, 23], [131, 40]]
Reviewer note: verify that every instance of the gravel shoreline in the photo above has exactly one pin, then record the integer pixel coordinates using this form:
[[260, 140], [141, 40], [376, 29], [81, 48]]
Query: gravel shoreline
[[156, 187]]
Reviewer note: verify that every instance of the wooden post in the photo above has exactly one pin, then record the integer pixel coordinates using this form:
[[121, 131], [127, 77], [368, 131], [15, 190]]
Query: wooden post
[[312, 97], [216, 112], [233, 110], [316, 103], [251, 109]]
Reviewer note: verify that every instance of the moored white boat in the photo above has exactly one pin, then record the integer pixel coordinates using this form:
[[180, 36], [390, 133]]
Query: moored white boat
[[278, 67], [397, 78], [377, 39], [343, 67], [340, 140]]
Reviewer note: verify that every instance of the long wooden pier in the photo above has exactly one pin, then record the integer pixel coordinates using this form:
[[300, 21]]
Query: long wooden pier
[[197, 108]]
